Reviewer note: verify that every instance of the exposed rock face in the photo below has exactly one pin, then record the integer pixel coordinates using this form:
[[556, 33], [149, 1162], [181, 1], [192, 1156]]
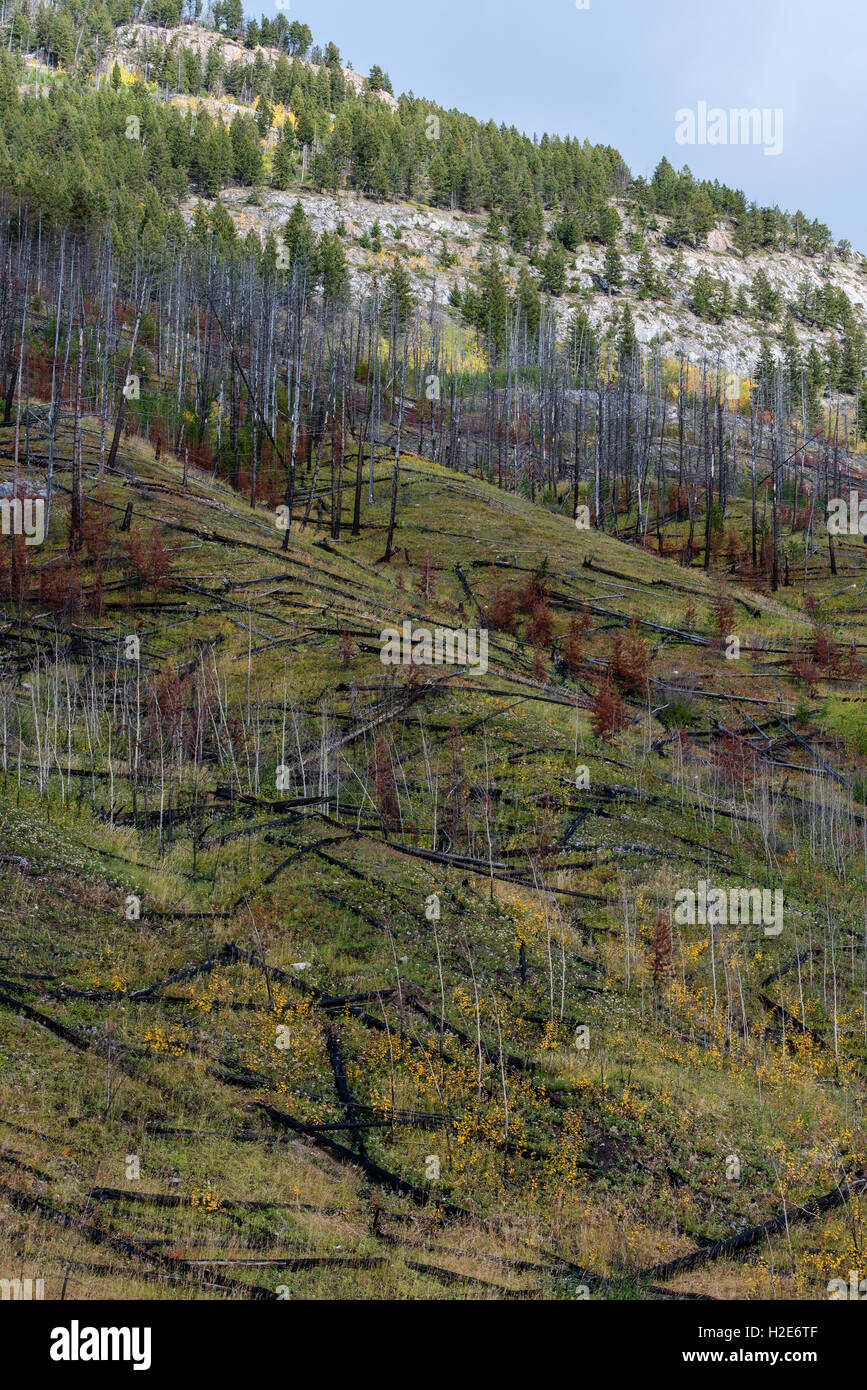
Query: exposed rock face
[[419, 233], [717, 240]]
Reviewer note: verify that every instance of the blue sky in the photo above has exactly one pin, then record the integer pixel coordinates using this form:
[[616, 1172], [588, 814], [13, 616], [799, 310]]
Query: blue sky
[[618, 72]]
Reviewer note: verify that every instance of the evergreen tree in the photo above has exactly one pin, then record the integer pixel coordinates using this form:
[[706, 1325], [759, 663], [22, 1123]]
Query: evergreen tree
[[649, 285], [280, 80], [613, 268], [298, 39], [765, 373], [264, 117], [283, 159], [833, 358], [492, 304], [229, 16], [851, 360], [815, 370], [300, 243], [722, 305], [213, 68], [331, 261], [397, 302], [766, 299], [702, 294], [246, 150], [379, 81], [554, 270], [627, 342], [529, 303], [791, 356]]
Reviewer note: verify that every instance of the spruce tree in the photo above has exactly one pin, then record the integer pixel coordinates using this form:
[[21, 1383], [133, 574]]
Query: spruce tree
[[613, 268], [529, 302], [627, 342], [397, 299], [554, 270]]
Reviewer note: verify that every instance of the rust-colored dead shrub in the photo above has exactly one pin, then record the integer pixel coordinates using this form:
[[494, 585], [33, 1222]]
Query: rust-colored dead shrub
[[736, 760], [503, 608], [94, 531], [383, 783], [14, 569], [540, 665], [149, 559], [630, 661], [95, 595], [531, 594], [608, 715], [540, 626], [822, 647], [60, 587], [723, 612], [573, 645]]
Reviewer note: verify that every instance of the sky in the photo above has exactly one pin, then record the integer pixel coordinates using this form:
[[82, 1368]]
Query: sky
[[624, 72]]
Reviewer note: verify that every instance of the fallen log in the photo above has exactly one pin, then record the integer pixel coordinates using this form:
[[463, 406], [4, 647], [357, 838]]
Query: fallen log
[[372, 1170], [744, 1240]]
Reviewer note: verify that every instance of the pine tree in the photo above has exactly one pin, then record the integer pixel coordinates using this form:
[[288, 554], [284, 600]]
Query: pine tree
[[440, 179], [649, 286], [379, 81], [492, 304], [397, 299], [554, 270], [851, 359], [791, 354], [833, 358], [300, 242], [529, 303], [766, 371], [246, 150], [627, 342], [331, 261], [702, 294], [283, 159], [722, 300], [613, 268], [264, 116], [765, 298]]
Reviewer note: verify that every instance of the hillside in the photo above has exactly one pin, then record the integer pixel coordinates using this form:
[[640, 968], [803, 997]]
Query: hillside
[[433, 758], [537, 1088]]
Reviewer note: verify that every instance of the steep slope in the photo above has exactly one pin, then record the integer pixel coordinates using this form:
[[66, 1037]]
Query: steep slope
[[323, 977]]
